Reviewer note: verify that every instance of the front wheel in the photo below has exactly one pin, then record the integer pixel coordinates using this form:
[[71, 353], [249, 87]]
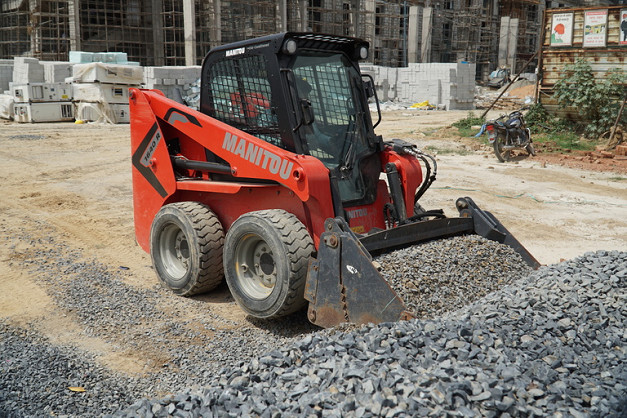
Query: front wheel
[[266, 256], [186, 242], [530, 149], [499, 143]]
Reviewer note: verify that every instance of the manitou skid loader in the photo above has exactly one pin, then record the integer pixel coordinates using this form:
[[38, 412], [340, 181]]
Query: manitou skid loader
[[275, 184]]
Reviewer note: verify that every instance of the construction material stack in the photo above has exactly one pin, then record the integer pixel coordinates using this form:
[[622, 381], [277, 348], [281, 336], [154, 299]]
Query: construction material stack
[[177, 83], [449, 86], [100, 85], [36, 97], [6, 99]]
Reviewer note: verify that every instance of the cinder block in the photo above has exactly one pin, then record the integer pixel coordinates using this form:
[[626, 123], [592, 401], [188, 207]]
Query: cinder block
[[56, 72], [28, 73], [80, 57], [25, 60]]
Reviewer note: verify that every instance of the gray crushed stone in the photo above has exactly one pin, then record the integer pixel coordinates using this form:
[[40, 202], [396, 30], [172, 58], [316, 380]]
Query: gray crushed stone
[[441, 276], [554, 344], [553, 341]]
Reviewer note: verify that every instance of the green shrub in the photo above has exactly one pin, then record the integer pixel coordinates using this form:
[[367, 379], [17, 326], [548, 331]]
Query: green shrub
[[596, 101]]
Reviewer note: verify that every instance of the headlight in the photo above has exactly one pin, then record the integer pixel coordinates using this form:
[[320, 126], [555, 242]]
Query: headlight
[[363, 52], [289, 47]]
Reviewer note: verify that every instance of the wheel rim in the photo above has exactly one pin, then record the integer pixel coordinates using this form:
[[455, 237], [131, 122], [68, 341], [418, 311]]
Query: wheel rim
[[255, 270], [174, 249]]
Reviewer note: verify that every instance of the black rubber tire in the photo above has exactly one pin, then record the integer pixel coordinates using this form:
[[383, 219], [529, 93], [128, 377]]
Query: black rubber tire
[[266, 256], [186, 241], [530, 149], [503, 156]]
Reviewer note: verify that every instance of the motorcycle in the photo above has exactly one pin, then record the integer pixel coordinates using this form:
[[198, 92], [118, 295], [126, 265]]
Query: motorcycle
[[508, 133]]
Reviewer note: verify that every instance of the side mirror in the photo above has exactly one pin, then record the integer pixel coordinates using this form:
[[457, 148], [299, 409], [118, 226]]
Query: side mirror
[[369, 88], [307, 111]]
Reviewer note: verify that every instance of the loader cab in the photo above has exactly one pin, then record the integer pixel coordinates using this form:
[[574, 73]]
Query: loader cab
[[304, 93]]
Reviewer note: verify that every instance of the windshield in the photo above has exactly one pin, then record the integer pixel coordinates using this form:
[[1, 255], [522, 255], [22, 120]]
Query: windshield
[[332, 86]]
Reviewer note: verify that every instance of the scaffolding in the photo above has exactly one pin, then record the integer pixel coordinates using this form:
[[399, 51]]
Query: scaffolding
[[172, 25], [528, 14], [38, 29], [465, 31], [116, 26], [180, 32]]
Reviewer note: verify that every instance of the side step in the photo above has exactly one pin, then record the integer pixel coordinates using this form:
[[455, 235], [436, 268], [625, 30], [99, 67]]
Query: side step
[[343, 285]]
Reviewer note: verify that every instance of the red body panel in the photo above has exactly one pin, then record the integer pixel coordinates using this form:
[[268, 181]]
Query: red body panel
[[303, 181], [410, 173]]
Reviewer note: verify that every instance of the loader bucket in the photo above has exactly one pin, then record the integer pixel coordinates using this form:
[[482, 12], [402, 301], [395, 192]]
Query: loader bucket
[[344, 286]]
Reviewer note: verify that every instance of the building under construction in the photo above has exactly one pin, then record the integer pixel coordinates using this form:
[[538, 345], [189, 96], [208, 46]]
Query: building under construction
[[490, 33]]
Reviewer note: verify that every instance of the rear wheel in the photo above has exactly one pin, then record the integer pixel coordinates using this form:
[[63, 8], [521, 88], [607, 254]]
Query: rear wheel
[[266, 255], [186, 242], [501, 154]]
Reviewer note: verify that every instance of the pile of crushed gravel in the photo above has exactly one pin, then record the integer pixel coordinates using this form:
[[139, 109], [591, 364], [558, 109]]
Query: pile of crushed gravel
[[553, 344], [444, 275]]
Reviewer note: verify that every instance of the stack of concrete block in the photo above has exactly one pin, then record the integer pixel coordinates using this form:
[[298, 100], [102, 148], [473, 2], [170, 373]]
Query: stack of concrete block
[[6, 75], [446, 85], [121, 58], [101, 91], [6, 99], [56, 71], [27, 70], [38, 98], [174, 82]]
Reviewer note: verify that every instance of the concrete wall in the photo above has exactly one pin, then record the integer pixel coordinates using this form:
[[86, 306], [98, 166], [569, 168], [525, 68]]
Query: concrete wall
[[446, 84]]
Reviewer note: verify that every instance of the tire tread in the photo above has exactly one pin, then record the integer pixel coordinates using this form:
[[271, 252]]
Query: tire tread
[[211, 241]]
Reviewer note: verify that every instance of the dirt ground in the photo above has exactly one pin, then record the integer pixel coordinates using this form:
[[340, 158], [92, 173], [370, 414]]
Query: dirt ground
[[73, 182]]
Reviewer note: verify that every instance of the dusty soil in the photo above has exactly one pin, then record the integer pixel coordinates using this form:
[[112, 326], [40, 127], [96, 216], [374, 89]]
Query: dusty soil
[[73, 183]]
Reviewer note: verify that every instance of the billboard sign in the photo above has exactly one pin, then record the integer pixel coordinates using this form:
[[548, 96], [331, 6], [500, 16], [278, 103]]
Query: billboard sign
[[595, 28]]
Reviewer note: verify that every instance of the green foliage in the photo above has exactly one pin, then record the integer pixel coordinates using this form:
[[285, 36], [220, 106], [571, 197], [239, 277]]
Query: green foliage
[[595, 100], [539, 121], [469, 121], [564, 140], [537, 118]]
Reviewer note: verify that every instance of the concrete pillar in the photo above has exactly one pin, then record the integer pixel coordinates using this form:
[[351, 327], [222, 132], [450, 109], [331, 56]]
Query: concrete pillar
[[75, 25], [427, 29], [369, 25], [282, 15], [157, 33], [35, 29], [216, 30], [355, 18], [304, 23], [512, 48], [413, 36], [189, 31], [503, 41]]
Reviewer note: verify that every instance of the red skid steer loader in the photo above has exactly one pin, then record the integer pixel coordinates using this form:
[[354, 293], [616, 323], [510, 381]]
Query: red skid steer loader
[[276, 184]]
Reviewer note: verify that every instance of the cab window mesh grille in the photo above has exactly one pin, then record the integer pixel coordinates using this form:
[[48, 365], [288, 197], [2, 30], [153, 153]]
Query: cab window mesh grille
[[240, 95]]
